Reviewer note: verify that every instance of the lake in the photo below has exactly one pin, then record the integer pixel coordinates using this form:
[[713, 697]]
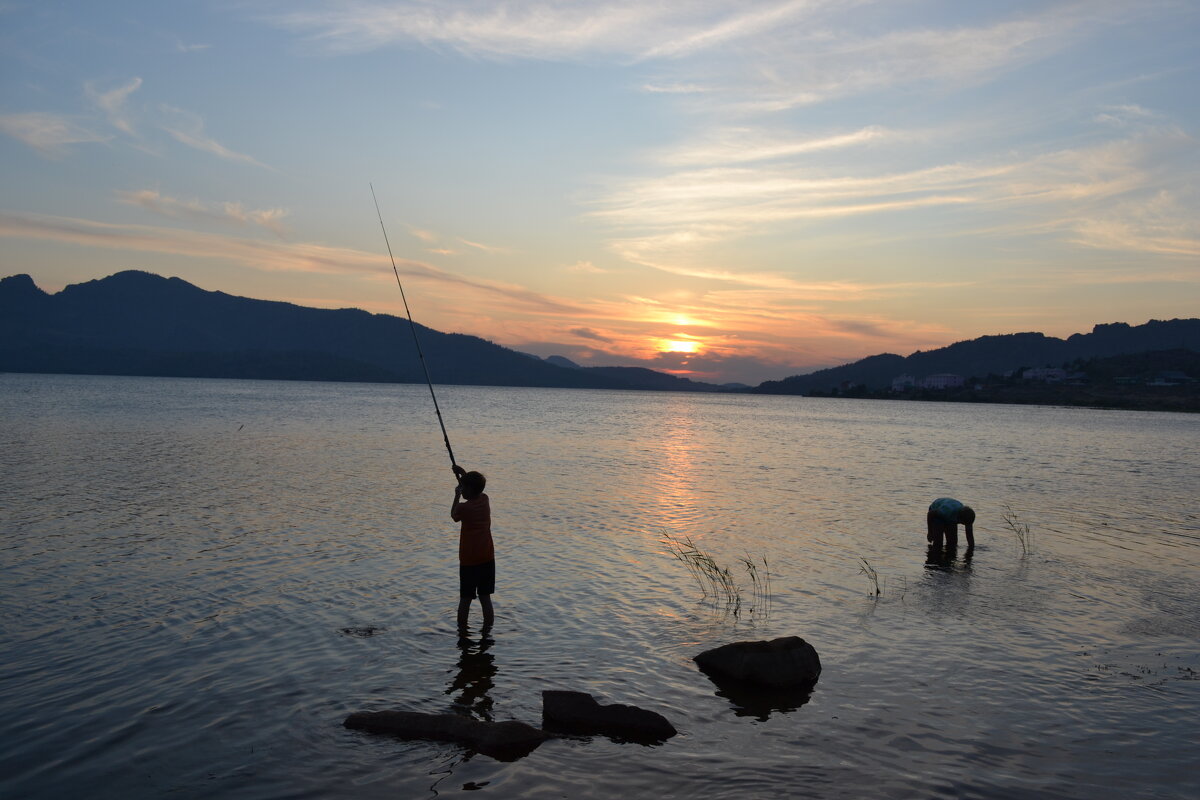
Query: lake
[[202, 578]]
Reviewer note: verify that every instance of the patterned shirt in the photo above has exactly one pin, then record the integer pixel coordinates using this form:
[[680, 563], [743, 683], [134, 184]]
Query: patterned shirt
[[946, 509]]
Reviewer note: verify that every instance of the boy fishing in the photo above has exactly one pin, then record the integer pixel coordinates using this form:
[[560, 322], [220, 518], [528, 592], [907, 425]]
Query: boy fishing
[[476, 554]]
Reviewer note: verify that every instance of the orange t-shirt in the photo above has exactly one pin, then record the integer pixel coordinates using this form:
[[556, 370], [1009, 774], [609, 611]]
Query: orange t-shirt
[[475, 537]]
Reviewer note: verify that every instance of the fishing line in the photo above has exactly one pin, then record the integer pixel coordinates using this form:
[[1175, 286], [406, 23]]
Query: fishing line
[[412, 326]]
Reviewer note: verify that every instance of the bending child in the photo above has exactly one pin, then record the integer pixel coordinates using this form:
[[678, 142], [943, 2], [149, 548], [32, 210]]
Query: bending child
[[476, 554], [944, 516]]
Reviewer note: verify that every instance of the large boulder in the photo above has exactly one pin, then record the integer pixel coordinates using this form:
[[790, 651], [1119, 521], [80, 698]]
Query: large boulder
[[580, 713], [503, 741], [785, 663]]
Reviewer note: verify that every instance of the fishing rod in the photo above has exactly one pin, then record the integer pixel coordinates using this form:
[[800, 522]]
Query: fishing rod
[[412, 326]]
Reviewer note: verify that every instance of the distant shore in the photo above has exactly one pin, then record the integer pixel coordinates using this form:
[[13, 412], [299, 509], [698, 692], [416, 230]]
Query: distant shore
[[1184, 398]]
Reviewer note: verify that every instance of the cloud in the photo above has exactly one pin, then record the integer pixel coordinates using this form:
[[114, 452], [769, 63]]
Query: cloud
[[226, 212], [703, 204], [742, 145], [1158, 224], [586, 267], [675, 220], [423, 235], [112, 103], [273, 256], [795, 66], [674, 88], [588, 333], [188, 129], [182, 47], [539, 29], [759, 57], [48, 134], [487, 248]]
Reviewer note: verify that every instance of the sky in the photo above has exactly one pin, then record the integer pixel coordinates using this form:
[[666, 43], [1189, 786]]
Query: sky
[[730, 191]]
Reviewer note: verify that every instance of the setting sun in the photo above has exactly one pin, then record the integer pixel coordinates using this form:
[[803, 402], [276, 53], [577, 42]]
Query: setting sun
[[678, 346]]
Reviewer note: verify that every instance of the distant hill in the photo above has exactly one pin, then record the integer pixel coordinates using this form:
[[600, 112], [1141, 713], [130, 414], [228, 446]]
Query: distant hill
[[562, 361], [1158, 380], [137, 323], [998, 355]]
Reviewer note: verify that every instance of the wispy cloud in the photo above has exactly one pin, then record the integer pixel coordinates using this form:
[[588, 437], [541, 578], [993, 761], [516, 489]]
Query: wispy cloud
[[487, 248], [756, 56], [744, 145], [587, 268], [225, 212], [48, 134], [674, 88], [1159, 224], [112, 103], [539, 29], [670, 221], [188, 128], [588, 333], [265, 255]]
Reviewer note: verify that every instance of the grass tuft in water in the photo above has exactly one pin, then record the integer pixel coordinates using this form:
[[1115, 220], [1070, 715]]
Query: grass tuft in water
[[760, 582], [1019, 528], [717, 583], [872, 574]]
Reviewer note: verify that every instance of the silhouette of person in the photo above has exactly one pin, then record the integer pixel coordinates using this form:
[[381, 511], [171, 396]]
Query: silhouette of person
[[942, 520]]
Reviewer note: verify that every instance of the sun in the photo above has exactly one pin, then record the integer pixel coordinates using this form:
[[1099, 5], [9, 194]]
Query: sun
[[678, 346]]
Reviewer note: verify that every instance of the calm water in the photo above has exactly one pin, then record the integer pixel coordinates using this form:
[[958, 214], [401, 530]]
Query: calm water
[[203, 578]]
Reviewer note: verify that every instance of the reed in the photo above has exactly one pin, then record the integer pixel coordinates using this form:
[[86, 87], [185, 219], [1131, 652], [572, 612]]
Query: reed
[[1018, 528], [718, 583], [760, 581], [872, 574]]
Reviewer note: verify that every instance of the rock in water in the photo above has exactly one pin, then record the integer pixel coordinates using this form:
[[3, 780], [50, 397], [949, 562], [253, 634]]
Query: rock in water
[[503, 741], [785, 663], [579, 713]]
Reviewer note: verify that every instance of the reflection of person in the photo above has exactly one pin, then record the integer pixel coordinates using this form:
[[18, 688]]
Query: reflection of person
[[944, 516], [475, 679], [476, 555]]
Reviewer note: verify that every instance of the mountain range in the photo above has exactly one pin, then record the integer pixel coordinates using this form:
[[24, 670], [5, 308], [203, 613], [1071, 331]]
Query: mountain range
[[138, 323], [998, 355]]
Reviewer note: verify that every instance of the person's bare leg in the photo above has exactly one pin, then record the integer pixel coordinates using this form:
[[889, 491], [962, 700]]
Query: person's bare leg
[[485, 602], [464, 611], [937, 533]]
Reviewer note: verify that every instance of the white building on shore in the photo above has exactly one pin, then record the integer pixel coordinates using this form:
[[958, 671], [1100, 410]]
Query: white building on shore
[[943, 380], [1046, 374]]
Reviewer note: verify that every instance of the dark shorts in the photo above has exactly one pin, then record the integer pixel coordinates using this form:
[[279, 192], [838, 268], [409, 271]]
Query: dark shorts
[[476, 579]]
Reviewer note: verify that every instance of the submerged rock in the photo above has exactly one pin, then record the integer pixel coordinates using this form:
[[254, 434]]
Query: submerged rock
[[579, 713], [503, 741], [785, 663]]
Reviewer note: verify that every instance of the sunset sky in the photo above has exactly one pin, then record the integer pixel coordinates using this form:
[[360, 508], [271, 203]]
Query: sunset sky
[[735, 191]]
